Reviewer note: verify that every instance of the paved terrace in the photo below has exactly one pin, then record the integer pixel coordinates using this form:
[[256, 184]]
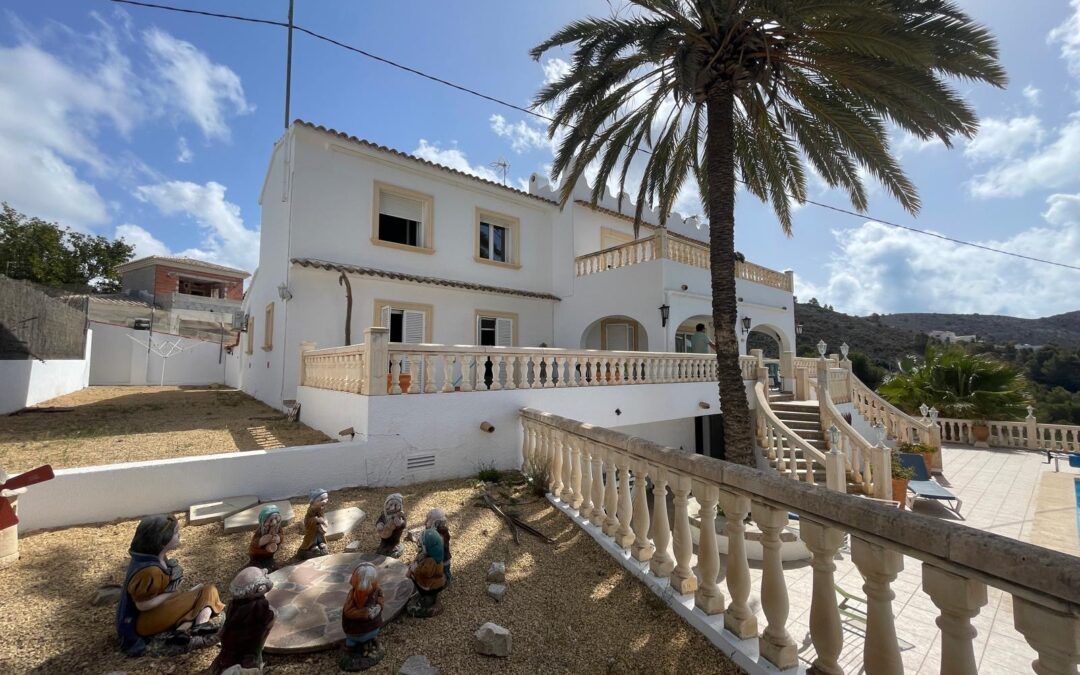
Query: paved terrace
[[1008, 492]]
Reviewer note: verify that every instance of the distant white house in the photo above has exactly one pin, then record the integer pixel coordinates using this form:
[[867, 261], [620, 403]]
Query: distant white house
[[949, 337]]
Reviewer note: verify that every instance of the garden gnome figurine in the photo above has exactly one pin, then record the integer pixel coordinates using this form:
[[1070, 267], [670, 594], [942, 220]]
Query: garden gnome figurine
[[361, 619], [390, 525], [266, 540], [428, 576], [436, 520], [152, 604], [248, 621], [314, 543]]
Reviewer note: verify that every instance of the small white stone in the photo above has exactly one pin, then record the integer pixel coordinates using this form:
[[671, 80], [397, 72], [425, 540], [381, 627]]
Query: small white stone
[[106, 595], [497, 591], [352, 546], [496, 574], [492, 640], [417, 665]]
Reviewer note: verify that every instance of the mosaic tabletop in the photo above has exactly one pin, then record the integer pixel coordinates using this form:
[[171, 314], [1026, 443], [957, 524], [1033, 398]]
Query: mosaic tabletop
[[308, 599]]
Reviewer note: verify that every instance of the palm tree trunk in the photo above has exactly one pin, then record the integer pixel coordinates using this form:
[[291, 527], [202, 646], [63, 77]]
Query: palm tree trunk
[[720, 170]]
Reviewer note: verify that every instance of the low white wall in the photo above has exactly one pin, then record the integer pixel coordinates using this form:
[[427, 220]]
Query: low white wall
[[28, 382], [103, 493], [121, 356]]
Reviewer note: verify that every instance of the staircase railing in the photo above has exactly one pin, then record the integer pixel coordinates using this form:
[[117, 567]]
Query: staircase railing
[[781, 444], [898, 424], [869, 465]]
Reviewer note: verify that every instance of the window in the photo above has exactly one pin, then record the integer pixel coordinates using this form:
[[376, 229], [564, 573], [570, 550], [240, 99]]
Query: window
[[268, 329], [618, 335], [402, 218], [496, 329], [250, 334], [408, 323], [497, 239]]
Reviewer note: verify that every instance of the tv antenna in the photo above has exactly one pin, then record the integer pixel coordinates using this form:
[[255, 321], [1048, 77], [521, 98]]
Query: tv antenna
[[502, 166]]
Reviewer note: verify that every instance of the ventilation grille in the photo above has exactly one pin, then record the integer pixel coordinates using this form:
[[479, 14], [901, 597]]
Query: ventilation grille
[[419, 462]]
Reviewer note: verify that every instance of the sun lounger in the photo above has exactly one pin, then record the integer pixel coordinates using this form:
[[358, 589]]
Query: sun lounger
[[922, 486]]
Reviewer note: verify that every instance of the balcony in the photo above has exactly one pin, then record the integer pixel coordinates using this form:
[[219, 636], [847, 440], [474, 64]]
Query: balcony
[[666, 245]]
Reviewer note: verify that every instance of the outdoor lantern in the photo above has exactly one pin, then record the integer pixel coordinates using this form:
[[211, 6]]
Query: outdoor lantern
[[665, 312], [1031, 411], [746, 324], [821, 347], [880, 429], [798, 329], [834, 438], [844, 350], [933, 414], [923, 409]]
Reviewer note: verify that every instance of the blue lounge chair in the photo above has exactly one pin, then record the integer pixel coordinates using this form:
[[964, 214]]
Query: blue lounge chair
[[925, 487]]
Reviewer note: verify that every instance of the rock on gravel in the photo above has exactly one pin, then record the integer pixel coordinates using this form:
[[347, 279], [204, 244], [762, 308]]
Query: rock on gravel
[[417, 665], [108, 594], [492, 640], [497, 591], [496, 573]]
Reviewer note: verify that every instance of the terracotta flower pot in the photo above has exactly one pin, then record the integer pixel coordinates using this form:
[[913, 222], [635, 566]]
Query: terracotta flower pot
[[899, 491], [404, 381], [981, 432]]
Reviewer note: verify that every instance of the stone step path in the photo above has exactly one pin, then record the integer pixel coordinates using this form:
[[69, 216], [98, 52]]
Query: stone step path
[[211, 512], [264, 438], [248, 519], [341, 522]]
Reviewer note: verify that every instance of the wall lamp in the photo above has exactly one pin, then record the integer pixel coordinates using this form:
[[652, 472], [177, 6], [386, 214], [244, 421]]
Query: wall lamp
[[746, 321], [821, 347], [665, 312], [284, 293], [798, 329], [350, 432]]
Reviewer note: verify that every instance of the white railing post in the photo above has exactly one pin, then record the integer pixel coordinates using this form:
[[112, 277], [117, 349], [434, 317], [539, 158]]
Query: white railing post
[[575, 472], [643, 548], [624, 534], [881, 472], [787, 371], [1054, 636], [555, 451], [611, 493], [825, 627], [661, 564], [709, 598], [682, 577], [738, 617], [305, 347], [879, 567], [775, 643], [585, 507], [1031, 425], [598, 516], [376, 360], [959, 600]]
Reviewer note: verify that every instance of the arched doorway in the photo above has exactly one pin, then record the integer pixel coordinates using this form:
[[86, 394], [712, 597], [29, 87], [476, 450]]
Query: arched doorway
[[615, 333], [768, 339], [685, 331]]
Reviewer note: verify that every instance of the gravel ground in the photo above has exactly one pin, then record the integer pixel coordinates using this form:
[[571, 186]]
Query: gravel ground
[[570, 607], [129, 424]]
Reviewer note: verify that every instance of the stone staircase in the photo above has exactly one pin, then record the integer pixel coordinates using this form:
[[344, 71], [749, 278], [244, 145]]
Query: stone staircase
[[802, 417]]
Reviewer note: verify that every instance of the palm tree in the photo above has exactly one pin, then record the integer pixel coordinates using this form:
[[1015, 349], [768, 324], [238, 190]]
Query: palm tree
[[744, 91], [959, 385]]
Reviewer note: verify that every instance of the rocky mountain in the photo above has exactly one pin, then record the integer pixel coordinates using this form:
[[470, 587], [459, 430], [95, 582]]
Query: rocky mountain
[[1061, 329], [882, 343]]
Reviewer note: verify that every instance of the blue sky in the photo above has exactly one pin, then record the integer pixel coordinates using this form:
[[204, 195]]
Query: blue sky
[[158, 127]]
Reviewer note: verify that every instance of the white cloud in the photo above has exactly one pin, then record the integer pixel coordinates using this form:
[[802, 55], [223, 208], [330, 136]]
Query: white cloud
[[145, 243], [555, 69], [1032, 93], [884, 269], [453, 158], [205, 91], [184, 155], [1003, 139], [523, 136], [1052, 166], [1068, 34], [225, 239]]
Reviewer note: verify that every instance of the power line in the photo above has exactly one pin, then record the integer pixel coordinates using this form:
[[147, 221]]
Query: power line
[[527, 111]]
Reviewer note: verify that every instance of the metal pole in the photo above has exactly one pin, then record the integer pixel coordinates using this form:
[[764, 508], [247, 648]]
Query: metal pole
[[288, 66]]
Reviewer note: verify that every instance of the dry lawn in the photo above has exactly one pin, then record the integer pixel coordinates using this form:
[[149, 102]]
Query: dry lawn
[[570, 607], [129, 424]]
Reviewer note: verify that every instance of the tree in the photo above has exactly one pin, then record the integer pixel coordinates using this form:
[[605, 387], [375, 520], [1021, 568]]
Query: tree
[[45, 253], [726, 91], [959, 385]]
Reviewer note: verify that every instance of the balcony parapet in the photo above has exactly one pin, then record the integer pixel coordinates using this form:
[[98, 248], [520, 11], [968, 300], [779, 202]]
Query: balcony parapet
[[670, 246]]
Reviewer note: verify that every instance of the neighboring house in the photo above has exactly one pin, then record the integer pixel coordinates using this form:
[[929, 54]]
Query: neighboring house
[[199, 296], [441, 256], [949, 337]]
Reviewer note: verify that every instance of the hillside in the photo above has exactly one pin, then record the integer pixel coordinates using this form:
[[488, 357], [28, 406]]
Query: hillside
[[882, 344], [1062, 329]]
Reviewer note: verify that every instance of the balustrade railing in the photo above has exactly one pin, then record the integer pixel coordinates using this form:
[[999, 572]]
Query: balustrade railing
[[868, 466], [617, 487], [898, 424], [679, 249], [783, 446], [1027, 434], [336, 368]]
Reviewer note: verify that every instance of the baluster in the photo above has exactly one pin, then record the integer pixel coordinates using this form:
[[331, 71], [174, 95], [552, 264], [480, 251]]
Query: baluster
[[879, 567], [661, 564], [598, 515], [526, 445], [567, 495], [572, 377], [555, 452], [448, 373], [429, 373], [468, 365], [1054, 636], [825, 628], [793, 460], [959, 600], [611, 493], [738, 618], [775, 643], [395, 373], [550, 373], [585, 507], [511, 372], [624, 535], [709, 598], [643, 548], [682, 577], [528, 366]]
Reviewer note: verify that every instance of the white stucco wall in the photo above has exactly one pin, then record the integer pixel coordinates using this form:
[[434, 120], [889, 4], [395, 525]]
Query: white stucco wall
[[120, 356], [27, 382], [671, 433]]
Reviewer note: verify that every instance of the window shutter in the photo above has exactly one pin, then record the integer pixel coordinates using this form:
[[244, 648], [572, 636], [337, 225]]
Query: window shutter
[[386, 317], [414, 327], [401, 207], [504, 332]]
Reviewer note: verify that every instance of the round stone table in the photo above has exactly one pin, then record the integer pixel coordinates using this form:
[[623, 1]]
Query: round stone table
[[308, 598]]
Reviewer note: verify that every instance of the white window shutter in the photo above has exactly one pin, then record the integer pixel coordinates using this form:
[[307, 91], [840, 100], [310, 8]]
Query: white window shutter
[[386, 317], [401, 207], [413, 327], [504, 332]]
